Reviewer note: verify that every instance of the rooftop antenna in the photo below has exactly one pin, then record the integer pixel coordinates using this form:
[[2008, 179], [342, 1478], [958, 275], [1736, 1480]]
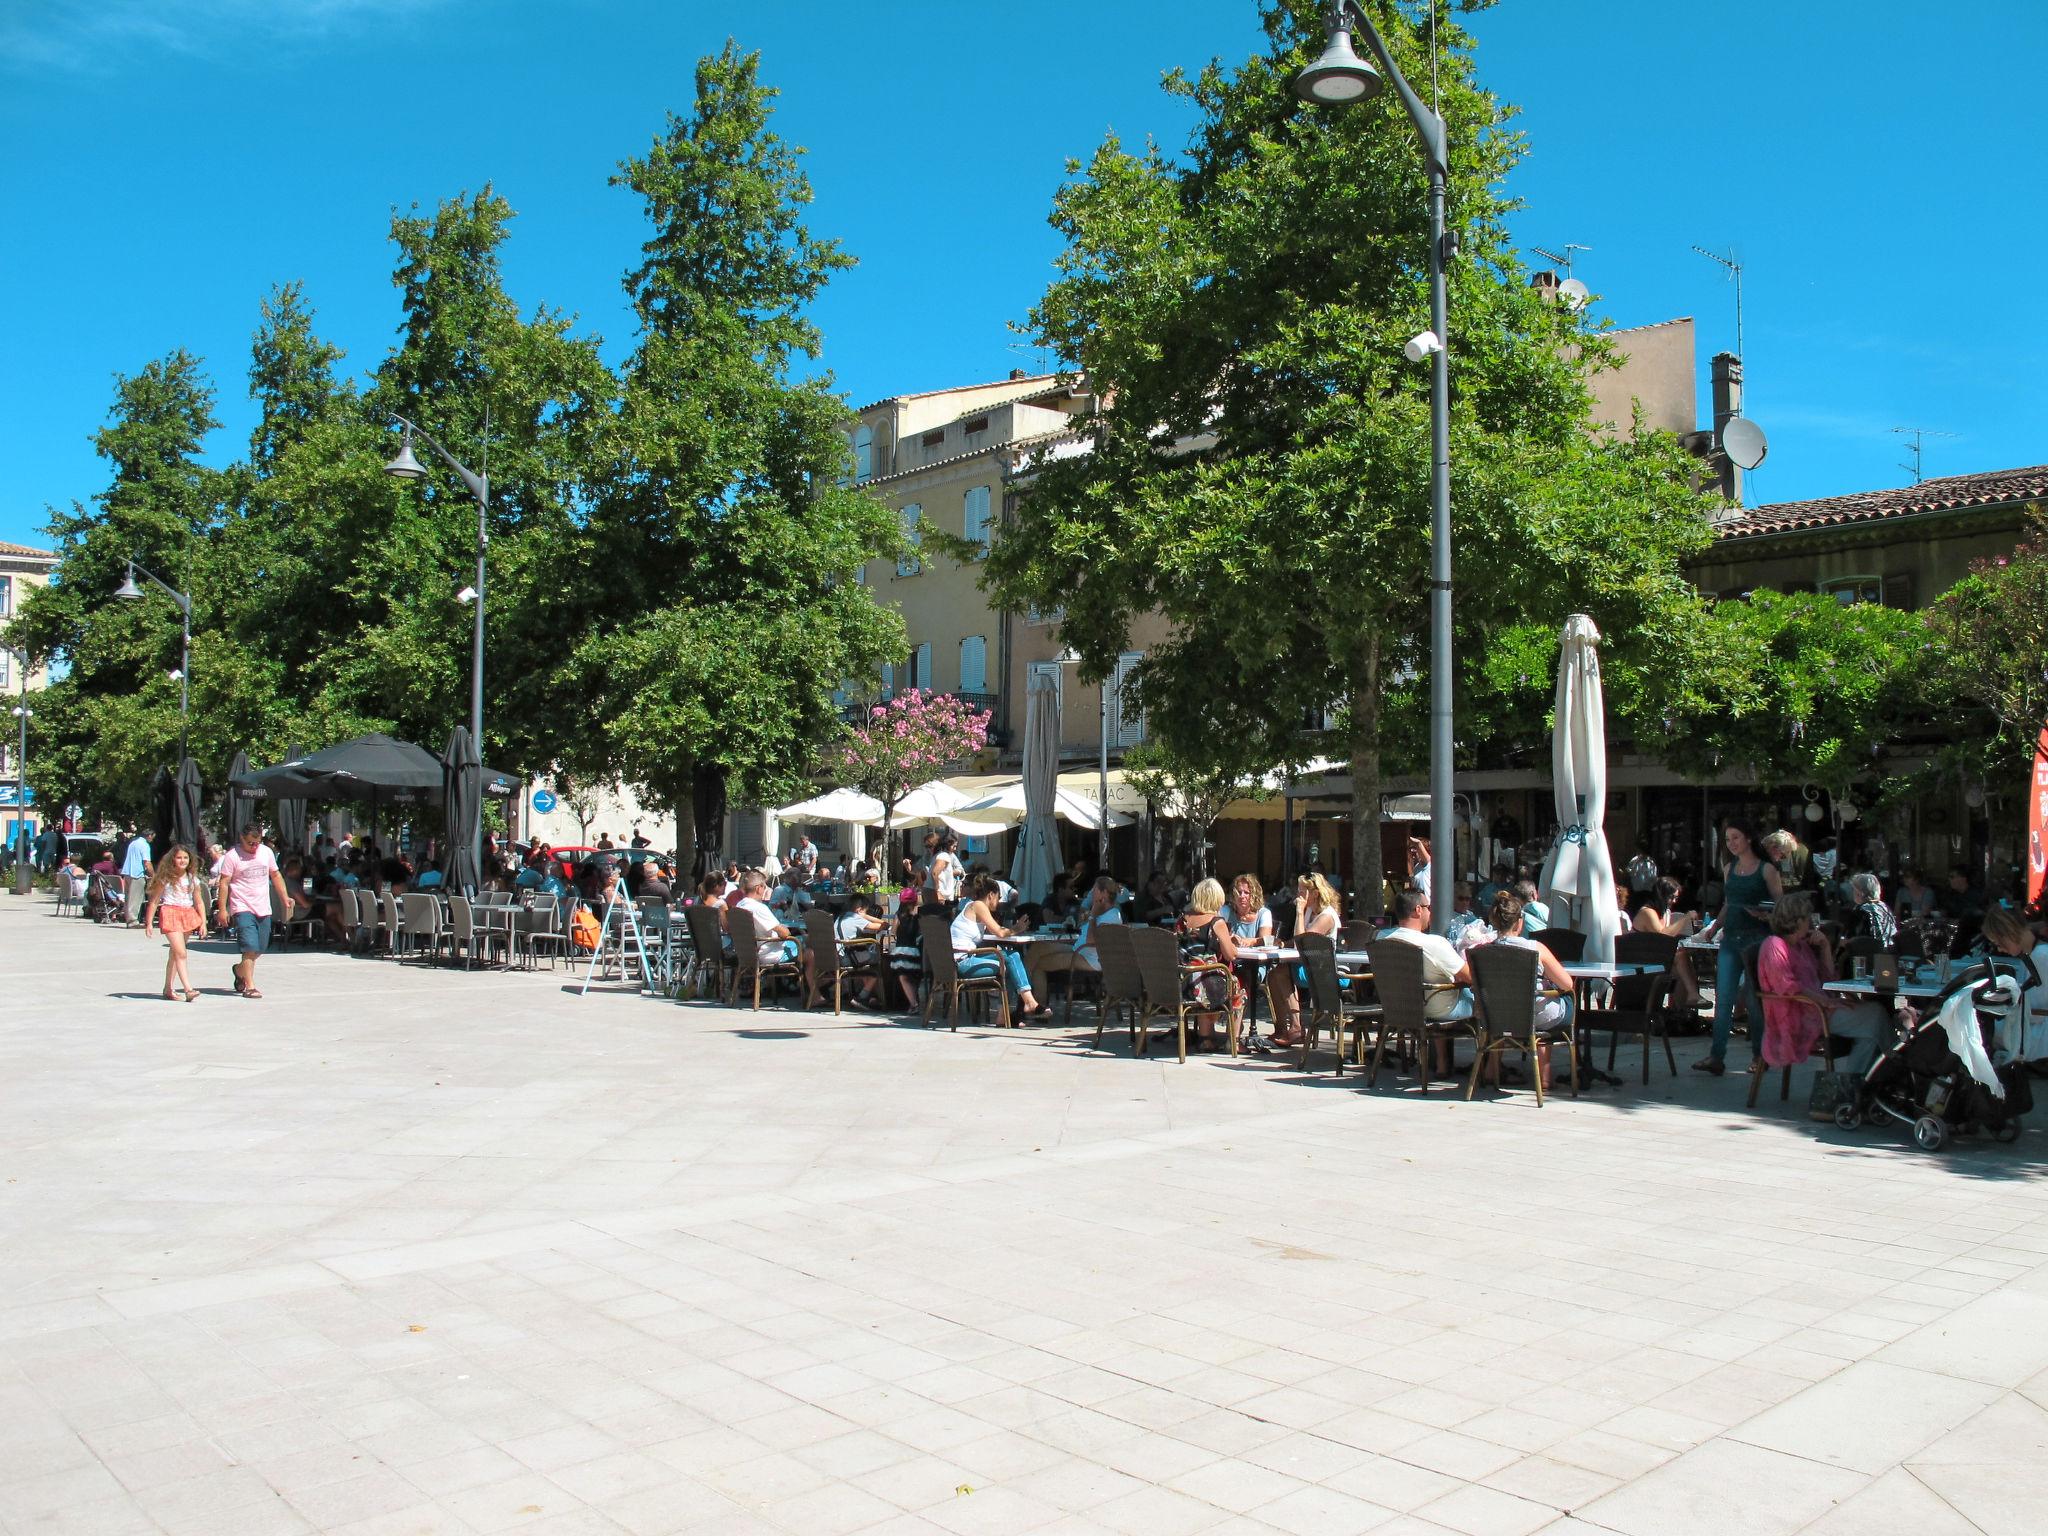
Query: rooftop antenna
[[1734, 271], [1917, 434], [1560, 258]]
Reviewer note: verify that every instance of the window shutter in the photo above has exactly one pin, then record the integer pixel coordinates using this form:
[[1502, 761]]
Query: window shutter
[[888, 680], [921, 666], [1126, 730], [863, 454], [907, 563], [1897, 590], [974, 664], [974, 516]]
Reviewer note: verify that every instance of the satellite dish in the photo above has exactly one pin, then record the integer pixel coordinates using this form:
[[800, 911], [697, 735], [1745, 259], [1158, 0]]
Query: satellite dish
[[1743, 441], [1573, 294]]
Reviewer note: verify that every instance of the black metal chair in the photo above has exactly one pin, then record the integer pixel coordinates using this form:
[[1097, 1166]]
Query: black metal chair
[[1565, 943]]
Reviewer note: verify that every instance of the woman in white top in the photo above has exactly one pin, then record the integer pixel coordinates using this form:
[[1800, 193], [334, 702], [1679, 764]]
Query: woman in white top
[[1316, 911], [176, 909], [976, 919]]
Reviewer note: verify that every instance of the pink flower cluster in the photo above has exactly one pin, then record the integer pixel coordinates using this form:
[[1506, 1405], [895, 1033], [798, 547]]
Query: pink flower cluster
[[908, 739]]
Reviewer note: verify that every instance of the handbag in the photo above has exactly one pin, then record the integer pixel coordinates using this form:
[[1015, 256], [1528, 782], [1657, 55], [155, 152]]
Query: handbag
[[584, 929]]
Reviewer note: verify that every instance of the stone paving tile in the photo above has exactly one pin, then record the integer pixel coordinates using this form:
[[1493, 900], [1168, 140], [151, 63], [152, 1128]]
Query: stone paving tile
[[471, 1254]]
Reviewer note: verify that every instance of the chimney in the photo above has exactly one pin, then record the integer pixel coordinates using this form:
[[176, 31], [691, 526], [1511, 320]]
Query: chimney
[[1019, 373], [1545, 284], [1727, 405]]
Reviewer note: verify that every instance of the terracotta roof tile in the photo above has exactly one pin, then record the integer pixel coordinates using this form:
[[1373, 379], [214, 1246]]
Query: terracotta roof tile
[[25, 552], [1998, 487]]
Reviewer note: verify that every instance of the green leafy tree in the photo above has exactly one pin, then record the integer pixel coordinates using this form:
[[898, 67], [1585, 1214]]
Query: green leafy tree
[[110, 718], [1799, 689], [1988, 673], [1193, 791], [717, 566], [1259, 471]]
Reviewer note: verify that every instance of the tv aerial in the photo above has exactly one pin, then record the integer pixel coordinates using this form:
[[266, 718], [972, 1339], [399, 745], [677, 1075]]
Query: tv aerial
[[1574, 293], [1735, 273], [1918, 434]]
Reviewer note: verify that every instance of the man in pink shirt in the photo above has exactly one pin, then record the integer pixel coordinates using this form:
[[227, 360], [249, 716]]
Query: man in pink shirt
[[249, 883]]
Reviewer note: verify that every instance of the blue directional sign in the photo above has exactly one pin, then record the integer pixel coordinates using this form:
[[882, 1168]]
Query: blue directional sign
[[543, 801]]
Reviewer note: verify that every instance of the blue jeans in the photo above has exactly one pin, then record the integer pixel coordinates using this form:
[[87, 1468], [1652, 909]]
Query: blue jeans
[[1731, 980], [985, 965]]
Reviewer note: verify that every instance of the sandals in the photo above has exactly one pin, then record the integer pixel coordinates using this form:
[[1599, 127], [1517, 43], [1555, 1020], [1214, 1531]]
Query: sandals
[[1712, 1066], [250, 992]]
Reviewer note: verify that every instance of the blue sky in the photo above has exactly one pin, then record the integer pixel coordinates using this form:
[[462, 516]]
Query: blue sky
[[1876, 167]]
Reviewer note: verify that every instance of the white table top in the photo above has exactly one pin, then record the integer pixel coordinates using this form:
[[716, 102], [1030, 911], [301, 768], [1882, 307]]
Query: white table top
[[1604, 970], [1866, 988]]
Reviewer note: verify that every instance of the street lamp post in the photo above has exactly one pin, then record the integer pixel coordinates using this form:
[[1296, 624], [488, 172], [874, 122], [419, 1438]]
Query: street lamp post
[[128, 592], [406, 467], [21, 843], [1338, 78]]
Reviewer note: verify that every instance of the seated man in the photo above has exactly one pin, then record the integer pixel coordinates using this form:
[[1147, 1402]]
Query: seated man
[[1535, 912], [778, 944]]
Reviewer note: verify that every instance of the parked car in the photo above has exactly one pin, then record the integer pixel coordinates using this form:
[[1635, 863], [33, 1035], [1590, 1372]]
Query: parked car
[[90, 844]]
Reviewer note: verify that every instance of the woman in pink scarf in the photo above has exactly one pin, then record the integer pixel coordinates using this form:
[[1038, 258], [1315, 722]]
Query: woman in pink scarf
[[1793, 963]]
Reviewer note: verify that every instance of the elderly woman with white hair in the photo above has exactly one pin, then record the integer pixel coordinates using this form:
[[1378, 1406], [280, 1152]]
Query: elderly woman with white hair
[[1870, 917]]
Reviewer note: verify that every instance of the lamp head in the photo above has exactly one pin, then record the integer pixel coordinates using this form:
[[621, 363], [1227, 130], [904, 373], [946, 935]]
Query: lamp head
[[1339, 76], [405, 466], [1068, 657], [1422, 344], [466, 595], [128, 592]]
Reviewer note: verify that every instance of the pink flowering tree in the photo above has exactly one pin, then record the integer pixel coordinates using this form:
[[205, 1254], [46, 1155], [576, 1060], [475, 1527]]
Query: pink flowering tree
[[904, 743]]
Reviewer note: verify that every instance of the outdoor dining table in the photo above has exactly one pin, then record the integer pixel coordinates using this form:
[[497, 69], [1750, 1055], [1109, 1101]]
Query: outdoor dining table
[[1868, 987], [1276, 954]]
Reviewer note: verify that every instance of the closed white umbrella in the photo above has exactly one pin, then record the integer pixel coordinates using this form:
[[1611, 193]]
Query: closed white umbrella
[[1038, 842], [1579, 866]]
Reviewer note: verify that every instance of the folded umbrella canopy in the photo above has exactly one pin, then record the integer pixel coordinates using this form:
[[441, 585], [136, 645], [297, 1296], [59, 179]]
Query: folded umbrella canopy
[[291, 817], [185, 793], [1580, 867], [238, 799], [461, 804], [1038, 843]]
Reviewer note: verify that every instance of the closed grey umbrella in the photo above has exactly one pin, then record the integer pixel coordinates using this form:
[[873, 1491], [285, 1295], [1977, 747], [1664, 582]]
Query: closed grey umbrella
[[163, 794], [185, 793], [461, 801], [238, 798]]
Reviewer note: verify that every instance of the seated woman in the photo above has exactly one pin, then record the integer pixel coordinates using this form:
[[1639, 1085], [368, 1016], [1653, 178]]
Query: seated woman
[[1555, 989], [1205, 935], [1250, 923], [2005, 933], [1793, 963], [858, 923], [1316, 911], [1870, 918], [1660, 915], [906, 951], [976, 919]]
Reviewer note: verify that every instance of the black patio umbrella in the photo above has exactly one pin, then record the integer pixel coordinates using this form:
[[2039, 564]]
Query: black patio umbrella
[[707, 804], [291, 817], [238, 799], [461, 803], [162, 790], [185, 794], [373, 767]]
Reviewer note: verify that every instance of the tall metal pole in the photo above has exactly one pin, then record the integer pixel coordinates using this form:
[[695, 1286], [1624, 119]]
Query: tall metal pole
[[185, 681], [21, 843], [1442, 843]]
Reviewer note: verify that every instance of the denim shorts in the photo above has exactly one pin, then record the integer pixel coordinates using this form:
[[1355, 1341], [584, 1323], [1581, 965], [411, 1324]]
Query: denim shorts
[[251, 932]]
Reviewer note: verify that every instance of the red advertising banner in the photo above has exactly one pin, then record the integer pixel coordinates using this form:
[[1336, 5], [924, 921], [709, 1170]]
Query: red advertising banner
[[2037, 822]]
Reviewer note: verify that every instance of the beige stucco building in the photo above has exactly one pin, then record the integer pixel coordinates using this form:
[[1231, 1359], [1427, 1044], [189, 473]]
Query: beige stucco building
[[22, 567]]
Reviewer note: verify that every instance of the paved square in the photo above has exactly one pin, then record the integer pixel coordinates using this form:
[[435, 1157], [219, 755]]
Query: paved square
[[405, 1250]]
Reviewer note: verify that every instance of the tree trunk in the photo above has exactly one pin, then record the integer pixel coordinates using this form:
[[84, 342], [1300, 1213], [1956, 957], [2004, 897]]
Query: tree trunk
[[1366, 876], [682, 795]]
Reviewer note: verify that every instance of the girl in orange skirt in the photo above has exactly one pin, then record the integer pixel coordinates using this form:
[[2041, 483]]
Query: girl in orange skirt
[[177, 909]]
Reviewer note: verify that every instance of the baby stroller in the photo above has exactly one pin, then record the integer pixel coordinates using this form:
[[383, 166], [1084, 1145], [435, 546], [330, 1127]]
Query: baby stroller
[[1957, 1068], [103, 900]]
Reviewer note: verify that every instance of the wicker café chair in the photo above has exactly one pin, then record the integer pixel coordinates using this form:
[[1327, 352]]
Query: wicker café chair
[[1504, 983], [748, 968], [936, 935], [1160, 971], [1329, 1002], [828, 965], [1398, 977], [1120, 989], [709, 960]]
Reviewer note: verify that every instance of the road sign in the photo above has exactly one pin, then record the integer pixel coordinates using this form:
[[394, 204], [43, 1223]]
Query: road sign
[[543, 801]]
